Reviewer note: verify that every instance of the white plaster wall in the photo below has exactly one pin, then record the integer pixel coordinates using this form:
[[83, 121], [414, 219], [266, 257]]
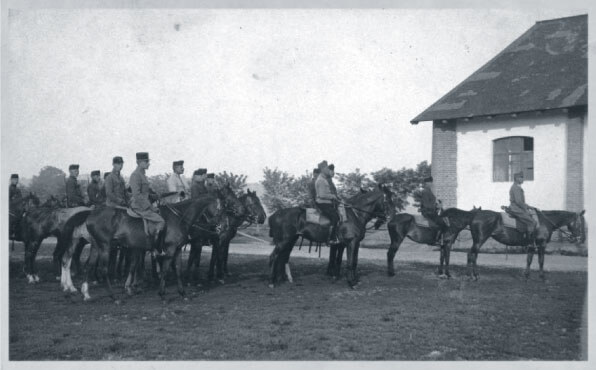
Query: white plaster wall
[[475, 161]]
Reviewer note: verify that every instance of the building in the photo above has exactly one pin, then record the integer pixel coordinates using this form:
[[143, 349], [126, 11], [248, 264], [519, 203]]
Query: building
[[524, 110]]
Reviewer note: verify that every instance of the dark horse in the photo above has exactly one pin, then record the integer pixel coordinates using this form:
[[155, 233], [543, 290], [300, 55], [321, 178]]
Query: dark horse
[[253, 212], [287, 225], [109, 226], [47, 220], [403, 225], [488, 224]]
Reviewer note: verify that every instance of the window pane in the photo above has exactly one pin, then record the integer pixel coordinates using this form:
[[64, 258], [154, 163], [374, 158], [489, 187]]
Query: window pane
[[501, 167], [528, 144]]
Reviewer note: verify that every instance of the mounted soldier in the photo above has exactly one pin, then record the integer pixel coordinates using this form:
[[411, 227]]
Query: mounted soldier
[[177, 183], [74, 195], [102, 189], [312, 190], [94, 190], [15, 204], [115, 188], [210, 184], [518, 207], [143, 197], [429, 207], [326, 200], [198, 187]]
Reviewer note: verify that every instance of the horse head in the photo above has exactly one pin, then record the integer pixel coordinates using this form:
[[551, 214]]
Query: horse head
[[30, 201], [231, 203], [577, 228], [252, 204], [475, 209], [384, 207]]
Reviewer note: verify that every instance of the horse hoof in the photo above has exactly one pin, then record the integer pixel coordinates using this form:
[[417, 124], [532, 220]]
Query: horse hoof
[[271, 286], [36, 278], [221, 281], [443, 276], [86, 299], [390, 273], [58, 278], [30, 279], [186, 299], [117, 302]]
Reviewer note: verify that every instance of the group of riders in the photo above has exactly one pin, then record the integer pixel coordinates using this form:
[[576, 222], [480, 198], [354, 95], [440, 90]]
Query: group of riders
[[140, 197]]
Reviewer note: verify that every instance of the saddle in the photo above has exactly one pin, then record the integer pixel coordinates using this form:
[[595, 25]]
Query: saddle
[[422, 221], [512, 222], [314, 216], [149, 231]]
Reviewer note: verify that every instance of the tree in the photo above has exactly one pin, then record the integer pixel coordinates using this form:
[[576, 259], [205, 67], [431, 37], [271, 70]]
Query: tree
[[349, 184], [279, 187], [403, 182], [159, 183], [50, 181], [236, 182]]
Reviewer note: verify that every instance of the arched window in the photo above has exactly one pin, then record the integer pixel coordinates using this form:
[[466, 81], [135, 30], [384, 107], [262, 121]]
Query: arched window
[[511, 155]]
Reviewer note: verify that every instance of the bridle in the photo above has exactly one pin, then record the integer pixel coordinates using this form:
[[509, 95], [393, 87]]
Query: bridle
[[570, 235]]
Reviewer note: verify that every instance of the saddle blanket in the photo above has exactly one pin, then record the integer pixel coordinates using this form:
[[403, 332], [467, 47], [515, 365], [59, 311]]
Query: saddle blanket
[[151, 231], [315, 217], [423, 221], [513, 223]]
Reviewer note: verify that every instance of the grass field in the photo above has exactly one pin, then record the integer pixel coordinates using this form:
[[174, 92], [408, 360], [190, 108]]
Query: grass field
[[412, 316]]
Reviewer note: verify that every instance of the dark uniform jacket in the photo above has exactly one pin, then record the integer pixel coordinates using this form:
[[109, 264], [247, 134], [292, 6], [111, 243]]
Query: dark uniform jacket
[[428, 202], [15, 196], [197, 189], [95, 196], [115, 188], [211, 188], [312, 190], [74, 195]]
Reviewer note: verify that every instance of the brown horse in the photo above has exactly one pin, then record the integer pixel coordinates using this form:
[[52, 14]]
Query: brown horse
[[16, 214], [403, 225], [487, 224], [287, 225], [108, 225], [253, 212]]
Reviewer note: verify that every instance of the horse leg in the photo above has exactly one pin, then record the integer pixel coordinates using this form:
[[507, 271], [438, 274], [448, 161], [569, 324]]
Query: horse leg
[[225, 251], [212, 261], [447, 249], [178, 266], [355, 262], [529, 258], [121, 251], [273, 262], [66, 276], [338, 259], [36, 247], [76, 256], [128, 285], [104, 259], [541, 251], [332, 256], [28, 269], [165, 264], [350, 264], [391, 252], [474, 262], [91, 268], [112, 265], [219, 260]]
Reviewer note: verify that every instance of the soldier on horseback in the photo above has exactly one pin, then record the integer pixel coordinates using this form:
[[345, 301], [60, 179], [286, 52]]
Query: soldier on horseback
[[143, 197], [312, 187], [177, 183], [326, 199], [74, 195], [518, 207], [210, 184], [15, 202], [198, 187], [429, 207], [116, 194], [96, 197]]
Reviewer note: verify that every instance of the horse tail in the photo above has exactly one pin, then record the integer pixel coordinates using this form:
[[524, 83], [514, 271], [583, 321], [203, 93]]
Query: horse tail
[[65, 238]]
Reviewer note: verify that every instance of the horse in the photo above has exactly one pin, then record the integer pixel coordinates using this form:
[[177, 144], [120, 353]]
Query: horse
[[287, 225], [254, 212], [47, 220], [487, 224], [404, 225], [109, 225]]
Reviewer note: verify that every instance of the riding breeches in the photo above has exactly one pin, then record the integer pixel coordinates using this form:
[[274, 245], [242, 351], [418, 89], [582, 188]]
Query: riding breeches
[[329, 211], [154, 217], [526, 219], [435, 218]]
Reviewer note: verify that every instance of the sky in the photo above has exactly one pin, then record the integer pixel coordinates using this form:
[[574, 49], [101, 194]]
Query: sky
[[238, 90]]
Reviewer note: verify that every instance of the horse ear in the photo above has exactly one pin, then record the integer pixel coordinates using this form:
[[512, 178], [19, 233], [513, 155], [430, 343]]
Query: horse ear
[[582, 212]]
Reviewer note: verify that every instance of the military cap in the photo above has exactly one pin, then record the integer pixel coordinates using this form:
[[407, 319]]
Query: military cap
[[210, 175], [73, 167], [106, 174], [202, 171], [95, 173], [428, 179], [117, 160], [331, 167], [142, 156], [14, 176], [196, 173], [518, 174], [177, 163], [316, 170], [322, 165]]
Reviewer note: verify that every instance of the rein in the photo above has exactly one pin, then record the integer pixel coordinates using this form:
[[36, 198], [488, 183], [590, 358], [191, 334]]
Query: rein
[[568, 234]]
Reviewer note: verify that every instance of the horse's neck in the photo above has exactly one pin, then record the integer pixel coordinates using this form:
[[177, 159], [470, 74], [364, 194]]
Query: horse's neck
[[359, 215], [557, 219]]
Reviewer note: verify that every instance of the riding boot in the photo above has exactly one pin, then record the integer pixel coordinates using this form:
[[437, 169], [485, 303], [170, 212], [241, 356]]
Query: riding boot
[[333, 235]]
